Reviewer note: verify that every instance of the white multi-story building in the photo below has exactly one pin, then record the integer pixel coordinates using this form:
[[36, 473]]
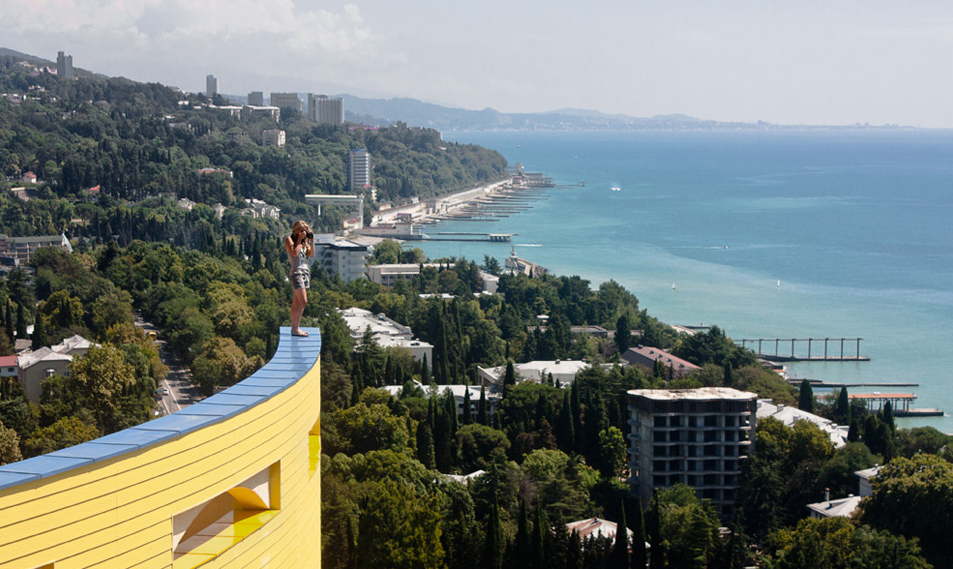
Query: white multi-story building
[[358, 169], [286, 101], [20, 248], [211, 86], [250, 112], [698, 437], [346, 259], [326, 110], [273, 137]]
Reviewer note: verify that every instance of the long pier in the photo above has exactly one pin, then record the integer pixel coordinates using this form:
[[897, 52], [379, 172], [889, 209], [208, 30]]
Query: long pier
[[824, 384], [811, 356]]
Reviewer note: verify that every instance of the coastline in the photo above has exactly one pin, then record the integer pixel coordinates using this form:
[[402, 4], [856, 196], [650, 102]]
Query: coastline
[[445, 203]]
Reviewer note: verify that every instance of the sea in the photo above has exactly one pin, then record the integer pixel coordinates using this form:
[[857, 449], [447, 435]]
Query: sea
[[767, 234]]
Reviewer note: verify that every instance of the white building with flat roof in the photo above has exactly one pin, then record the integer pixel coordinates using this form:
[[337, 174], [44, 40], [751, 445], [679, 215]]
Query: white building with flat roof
[[563, 372], [387, 332], [698, 437], [790, 415]]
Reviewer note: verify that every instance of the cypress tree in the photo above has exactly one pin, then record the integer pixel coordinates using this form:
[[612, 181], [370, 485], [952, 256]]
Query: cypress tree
[[441, 439], [8, 320], [493, 549], [843, 406], [482, 411], [656, 549], [805, 400], [424, 372], [574, 553], [888, 416], [538, 542], [565, 434], [450, 405], [39, 333], [521, 548], [639, 558], [853, 434], [425, 452], [21, 322], [729, 378], [467, 416], [509, 377], [619, 558], [576, 418], [623, 333], [544, 411]]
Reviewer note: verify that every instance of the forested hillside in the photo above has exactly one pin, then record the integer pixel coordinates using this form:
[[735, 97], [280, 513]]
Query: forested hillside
[[140, 142]]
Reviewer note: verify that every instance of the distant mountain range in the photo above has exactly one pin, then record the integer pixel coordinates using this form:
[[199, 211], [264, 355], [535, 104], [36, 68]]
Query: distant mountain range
[[419, 113]]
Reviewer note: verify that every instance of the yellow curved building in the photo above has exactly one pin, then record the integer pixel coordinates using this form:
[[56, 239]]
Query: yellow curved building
[[230, 482]]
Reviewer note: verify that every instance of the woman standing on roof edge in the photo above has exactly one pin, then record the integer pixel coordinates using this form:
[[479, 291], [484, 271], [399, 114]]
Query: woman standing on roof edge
[[300, 247]]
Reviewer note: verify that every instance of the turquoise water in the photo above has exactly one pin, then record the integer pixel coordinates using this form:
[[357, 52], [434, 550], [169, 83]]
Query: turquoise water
[[856, 226]]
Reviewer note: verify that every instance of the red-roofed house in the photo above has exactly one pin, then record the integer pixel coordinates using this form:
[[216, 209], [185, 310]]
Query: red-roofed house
[[8, 366], [647, 356], [596, 527], [28, 178], [94, 189]]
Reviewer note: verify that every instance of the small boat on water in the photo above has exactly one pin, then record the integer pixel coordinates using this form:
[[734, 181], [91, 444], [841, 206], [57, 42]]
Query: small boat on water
[[673, 286], [616, 189]]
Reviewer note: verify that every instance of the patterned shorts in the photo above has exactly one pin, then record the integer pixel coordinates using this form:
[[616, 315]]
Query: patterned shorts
[[301, 280]]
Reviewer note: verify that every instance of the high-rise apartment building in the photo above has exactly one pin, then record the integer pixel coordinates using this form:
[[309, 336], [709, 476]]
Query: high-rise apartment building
[[256, 99], [698, 437], [358, 169], [286, 101], [211, 86], [64, 65], [326, 110]]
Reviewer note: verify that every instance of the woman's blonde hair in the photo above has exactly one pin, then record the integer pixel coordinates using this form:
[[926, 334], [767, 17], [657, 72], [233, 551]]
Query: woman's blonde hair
[[298, 227]]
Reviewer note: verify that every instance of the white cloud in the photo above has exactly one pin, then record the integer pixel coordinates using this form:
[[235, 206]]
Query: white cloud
[[278, 35]]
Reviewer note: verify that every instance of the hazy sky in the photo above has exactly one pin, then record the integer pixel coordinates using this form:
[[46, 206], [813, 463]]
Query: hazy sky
[[805, 61]]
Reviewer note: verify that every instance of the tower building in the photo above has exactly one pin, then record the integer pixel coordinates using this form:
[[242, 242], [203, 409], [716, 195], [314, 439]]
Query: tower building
[[358, 169], [64, 65], [325, 110], [211, 86]]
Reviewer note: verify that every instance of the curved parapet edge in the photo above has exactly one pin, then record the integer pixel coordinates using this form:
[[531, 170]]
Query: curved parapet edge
[[117, 501]]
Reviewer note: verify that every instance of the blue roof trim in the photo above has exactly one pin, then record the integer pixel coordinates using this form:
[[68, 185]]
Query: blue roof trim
[[46, 465], [94, 451], [8, 479], [295, 357]]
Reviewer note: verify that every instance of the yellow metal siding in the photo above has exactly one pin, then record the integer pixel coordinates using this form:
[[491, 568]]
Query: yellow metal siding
[[118, 513]]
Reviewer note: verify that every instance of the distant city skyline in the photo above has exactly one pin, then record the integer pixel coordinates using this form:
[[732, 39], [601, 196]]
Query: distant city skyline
[[787, 63]]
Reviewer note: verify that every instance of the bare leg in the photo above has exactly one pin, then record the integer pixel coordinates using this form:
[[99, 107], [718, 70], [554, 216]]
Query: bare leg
[[297, 308]]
